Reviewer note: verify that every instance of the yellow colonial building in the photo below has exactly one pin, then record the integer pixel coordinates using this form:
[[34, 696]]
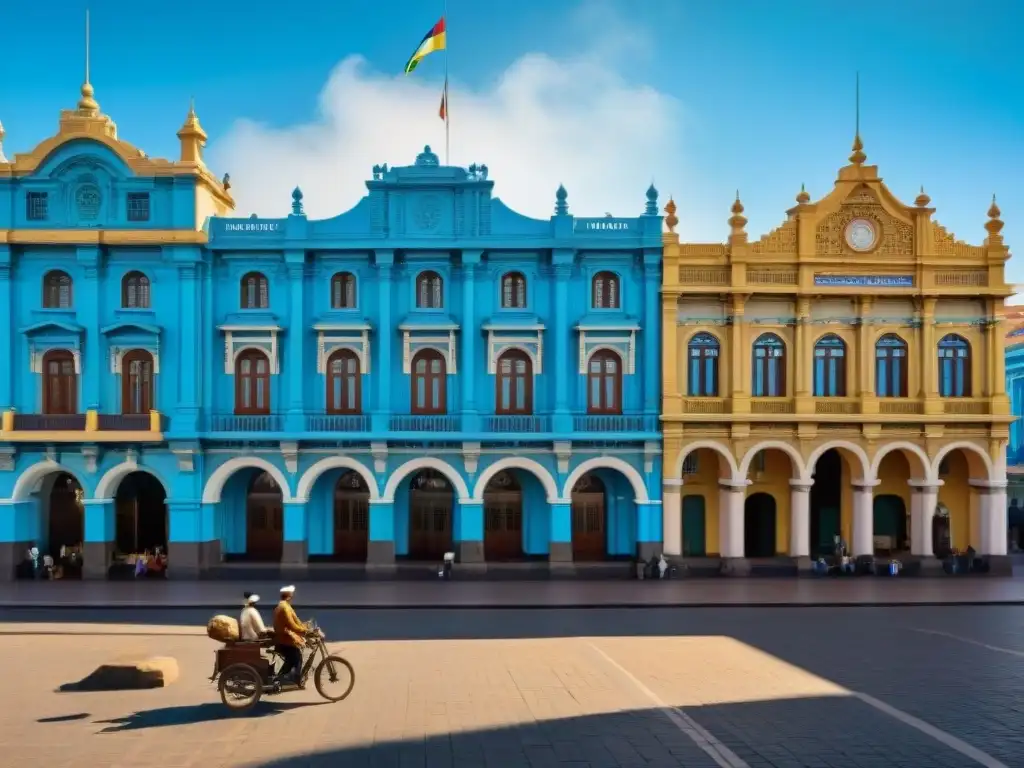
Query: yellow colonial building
[[841, 375]]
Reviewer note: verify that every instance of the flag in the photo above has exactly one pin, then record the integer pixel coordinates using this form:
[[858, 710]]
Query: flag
[[434, 40], [443, 112]]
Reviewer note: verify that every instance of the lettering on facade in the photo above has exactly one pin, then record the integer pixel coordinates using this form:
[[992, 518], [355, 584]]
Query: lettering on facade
[[604, 225], [253, 226], [865, 281]]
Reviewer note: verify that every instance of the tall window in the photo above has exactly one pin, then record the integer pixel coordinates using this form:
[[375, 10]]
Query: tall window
[[255, 293], [702, 376], [605, 291], [343, 385], [343, 291], [428, 382], [37, 206], [514, 382], [429, 291], [769, 367], [954, 366], [891, 366], [135, 291], [252, 382], [513, 291], [137, 382], [60, 382], [57, 290], [830, 367], [604, 382]]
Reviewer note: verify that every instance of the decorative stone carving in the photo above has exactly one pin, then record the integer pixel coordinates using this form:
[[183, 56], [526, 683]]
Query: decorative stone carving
[[897, 237], [471, 457], [781, 240], [290, 454], [185, 459], [563, 453], [90, 456], [379, 452], [7, 456], [651, 449], [428, 213]]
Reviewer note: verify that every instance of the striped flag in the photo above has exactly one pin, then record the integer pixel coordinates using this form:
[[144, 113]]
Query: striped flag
[[434, 40]]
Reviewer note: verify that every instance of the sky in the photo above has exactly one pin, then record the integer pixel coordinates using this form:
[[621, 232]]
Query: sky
[[703, 97]]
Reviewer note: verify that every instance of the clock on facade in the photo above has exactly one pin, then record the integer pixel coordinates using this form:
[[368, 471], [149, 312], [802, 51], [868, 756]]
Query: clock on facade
[[861, 235]]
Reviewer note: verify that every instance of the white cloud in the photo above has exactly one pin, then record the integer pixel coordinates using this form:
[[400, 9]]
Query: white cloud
[[543, 122]]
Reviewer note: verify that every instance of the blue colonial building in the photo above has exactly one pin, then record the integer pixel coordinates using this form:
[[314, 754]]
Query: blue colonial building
[[428, 372]]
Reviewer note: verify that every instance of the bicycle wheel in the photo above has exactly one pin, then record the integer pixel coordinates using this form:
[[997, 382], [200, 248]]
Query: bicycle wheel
[[240, 687], [340, 673]]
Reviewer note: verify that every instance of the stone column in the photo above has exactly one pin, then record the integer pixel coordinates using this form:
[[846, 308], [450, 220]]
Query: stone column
[[294, 553], [469, 531], [800, 521], [381, 551], [565, 365], [863, 519], [468, 343], [994, 522], [560, 544], [385, 330], [923, 501], [6, 330], [672, 518], [296, 342], [731, 499], [98, 547]]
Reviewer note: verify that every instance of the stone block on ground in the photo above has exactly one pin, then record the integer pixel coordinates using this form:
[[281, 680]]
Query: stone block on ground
[[129, 675]]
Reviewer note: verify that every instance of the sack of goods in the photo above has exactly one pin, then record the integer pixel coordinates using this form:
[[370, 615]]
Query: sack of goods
[[223, 629]]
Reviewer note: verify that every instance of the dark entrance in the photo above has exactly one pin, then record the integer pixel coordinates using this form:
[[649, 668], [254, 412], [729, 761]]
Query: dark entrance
[[759, 525], [588, 519], [430, 516], [826, 503], [351, 517], [503, 518], [694, 535], [66, 518], [890, 522], [264, 511], [141, 514]]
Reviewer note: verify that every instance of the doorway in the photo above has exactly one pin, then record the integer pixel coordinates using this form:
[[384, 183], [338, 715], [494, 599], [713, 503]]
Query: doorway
[[759, 525], [890, 524], [140, 508], [264, 511], [694, 530], [826, 504], [588, 519], [351, 517], [430, 516], [503, 518]]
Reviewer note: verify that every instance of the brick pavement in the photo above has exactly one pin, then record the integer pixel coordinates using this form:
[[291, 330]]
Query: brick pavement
[[540, 594], [571, 701]]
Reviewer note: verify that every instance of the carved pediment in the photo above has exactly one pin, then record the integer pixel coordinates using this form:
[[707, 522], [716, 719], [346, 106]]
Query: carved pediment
[[946, 244], [780, 240], [896, 238]]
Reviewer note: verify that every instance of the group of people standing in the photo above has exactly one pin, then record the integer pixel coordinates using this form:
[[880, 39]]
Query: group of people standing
[[287, 631]]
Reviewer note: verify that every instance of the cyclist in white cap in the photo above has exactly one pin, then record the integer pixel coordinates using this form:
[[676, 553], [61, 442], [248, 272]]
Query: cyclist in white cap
[[290, 636], [250, 623]]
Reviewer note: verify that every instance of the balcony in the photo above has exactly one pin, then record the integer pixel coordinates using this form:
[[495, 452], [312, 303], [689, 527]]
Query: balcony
[[771, 405], [900, 405], [614, 423], [517, 424], [836, 405], [963, 406], [88, 427], [49, 422], [704, 405], [337, 422], [426, 423], [233, 422]]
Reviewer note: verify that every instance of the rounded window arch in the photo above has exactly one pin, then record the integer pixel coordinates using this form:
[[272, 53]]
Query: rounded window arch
[[513, 290], [252, 382], [135, 291], [769, 366], [891, 366], [137, 382], [57, 290], [702, 354], [343, 291], [954, 366], [255, 291], [514, 383], [604, 382], [429, 394], [344, 390], [429, 290], [830, 366], [605, 291], [60, 382]]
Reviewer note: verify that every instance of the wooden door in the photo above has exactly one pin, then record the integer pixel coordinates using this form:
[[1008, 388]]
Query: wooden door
[[430, 524], [66, 519], [264, 540], [503, 526], [588, 523], [694, 532], [351, 526]]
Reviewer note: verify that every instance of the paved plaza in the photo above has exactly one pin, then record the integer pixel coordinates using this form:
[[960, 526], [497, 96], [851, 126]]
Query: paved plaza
[[914, 687]]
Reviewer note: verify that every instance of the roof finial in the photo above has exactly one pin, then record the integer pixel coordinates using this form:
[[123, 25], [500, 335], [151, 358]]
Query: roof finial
[[670, 220], [922, 199], [802, 197], [994, 225], [857, 157], [737, 221], [651, 209], [87, 104], [561, 206]]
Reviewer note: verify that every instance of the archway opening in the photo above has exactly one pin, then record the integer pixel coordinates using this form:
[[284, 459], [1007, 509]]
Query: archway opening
[[140, 521], [702, 469], [831, 476], [769, 473], [588, 518], [694, 512], [759, 525], [264, 515], [503, 518], [431, 504], [61, 504], [892, 498], [957, 523], [351, 517], [604, 516]]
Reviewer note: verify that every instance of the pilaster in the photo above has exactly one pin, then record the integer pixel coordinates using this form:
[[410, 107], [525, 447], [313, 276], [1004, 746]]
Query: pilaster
[[929, 358], [381, 549], [385, 331], [89, 307], [6, 329], [296, 534], [739, 353], [804, 363], [190, 345], [865, 357], [469, 341], [469, 531], [561, 533], [296, 265], [652, 362], [672, 517], [562, 261], [98, 547], [671, 392]]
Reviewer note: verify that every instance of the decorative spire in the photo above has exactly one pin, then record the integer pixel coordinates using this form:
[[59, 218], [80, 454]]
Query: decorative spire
[[2, 134], [87, 105], [297, 202], [922, 199], [737, 221], [561, 206], [994, 225], [651, 208], [670, 220], [192, 136], [802, 197], [857, 157]]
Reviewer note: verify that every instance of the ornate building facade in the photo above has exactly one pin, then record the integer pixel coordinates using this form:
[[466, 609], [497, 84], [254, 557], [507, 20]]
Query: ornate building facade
[[841, 376], [427, 372]]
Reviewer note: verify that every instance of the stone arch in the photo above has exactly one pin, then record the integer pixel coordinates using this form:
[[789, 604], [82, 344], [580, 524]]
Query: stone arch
[[799, 470], [606, 348], [427, 462], [906, 448], [517, 462], [215, 483], [712, 445], [29, 480], [107, 487], [970, 449], [311, 475], [247, 347], [501, 349], [608, 462], [843, 446]]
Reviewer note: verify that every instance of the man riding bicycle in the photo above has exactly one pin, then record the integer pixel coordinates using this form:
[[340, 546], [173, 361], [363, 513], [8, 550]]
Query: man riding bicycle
[[290, 636]]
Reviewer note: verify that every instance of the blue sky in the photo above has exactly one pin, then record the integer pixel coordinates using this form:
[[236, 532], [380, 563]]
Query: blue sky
[[750, 94]]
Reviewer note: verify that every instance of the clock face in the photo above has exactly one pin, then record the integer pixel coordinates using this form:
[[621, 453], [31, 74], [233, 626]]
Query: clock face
[[860, 235]]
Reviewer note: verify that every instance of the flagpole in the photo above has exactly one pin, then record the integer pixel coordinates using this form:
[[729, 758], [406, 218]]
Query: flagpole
[[447, 106]]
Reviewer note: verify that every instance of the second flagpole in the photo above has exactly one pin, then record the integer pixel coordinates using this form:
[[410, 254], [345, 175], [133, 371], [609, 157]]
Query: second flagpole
[[447, 104]]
